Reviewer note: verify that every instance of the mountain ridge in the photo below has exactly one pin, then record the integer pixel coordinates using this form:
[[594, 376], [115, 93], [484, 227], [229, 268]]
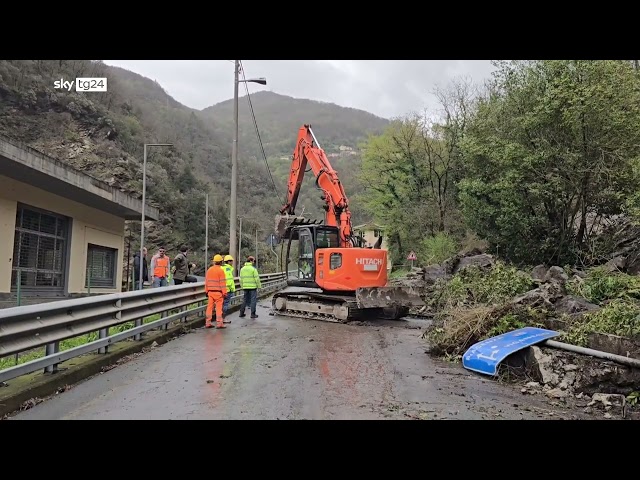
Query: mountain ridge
[[290, 97]]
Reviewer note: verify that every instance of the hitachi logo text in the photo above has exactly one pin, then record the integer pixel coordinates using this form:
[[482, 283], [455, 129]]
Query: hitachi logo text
[[368, 261]]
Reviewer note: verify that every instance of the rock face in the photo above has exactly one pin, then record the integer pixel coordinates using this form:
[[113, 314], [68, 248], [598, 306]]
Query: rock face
[[623, 240]]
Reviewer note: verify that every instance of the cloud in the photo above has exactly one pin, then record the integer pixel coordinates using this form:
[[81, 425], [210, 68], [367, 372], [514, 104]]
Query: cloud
[[387, 88]]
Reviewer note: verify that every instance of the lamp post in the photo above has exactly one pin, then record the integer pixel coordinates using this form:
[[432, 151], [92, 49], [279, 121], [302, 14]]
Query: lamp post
[[234, 163], [144, 201], [206, 234]]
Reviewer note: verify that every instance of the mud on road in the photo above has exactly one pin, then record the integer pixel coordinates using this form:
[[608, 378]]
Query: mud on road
[[282, 368]]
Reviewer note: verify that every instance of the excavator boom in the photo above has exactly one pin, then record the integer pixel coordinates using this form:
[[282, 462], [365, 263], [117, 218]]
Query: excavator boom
[[352, 279], [307, 152]]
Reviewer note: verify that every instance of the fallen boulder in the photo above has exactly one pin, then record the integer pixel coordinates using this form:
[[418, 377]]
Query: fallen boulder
[[483, 261], [556, 274], [539, 273], [542, 297], [572, 305]]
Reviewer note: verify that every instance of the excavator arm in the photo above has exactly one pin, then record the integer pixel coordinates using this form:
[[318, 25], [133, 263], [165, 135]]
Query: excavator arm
[[308, 152]]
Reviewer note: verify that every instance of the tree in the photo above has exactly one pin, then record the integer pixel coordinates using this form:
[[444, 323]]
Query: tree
[[549, 151]]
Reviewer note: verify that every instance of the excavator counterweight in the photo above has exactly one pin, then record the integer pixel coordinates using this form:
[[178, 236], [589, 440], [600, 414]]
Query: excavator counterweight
[[338, 278]]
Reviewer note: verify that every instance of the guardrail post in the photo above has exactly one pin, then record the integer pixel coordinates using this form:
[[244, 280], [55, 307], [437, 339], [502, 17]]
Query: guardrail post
[[138, 336], [138, 321], [166, 325], [52, 349], [104, 333]]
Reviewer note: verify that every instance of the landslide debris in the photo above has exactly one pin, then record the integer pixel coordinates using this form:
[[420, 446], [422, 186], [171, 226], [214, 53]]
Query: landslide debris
[[475, 296]]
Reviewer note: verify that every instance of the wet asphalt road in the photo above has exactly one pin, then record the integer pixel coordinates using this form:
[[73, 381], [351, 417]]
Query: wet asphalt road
[[283, 368]]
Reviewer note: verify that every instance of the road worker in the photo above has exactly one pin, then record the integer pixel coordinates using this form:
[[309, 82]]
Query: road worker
[[250, 283], [231, 285], [160, 269], [216, 287]]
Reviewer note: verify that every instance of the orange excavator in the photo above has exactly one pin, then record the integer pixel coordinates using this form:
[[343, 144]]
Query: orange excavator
[[341, 279]]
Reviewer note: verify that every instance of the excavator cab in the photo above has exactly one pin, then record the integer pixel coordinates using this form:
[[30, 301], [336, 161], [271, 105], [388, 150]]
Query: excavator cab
[[304, 241]]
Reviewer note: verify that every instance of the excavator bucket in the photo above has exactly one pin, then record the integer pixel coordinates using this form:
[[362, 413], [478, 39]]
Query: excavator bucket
[[284, 223], [386, 297]]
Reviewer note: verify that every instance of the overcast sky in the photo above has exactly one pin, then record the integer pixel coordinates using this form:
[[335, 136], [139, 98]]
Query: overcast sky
[[387, 88]]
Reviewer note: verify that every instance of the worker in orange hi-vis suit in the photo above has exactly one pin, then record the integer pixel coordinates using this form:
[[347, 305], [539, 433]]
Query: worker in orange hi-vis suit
[[216, 288]]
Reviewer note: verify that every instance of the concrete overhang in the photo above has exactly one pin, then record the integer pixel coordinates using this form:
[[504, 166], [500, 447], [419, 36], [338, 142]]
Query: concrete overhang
[[27, 165]]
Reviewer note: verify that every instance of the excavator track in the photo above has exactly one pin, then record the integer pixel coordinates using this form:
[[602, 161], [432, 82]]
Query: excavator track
[[329, 308]]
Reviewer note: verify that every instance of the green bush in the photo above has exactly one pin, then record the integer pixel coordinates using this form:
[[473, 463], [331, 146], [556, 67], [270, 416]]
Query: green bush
[[475, 285], [601, 285], [619, 317], [436, 249]]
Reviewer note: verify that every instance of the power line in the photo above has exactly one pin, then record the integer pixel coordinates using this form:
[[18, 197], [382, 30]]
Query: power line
[[255, 124]]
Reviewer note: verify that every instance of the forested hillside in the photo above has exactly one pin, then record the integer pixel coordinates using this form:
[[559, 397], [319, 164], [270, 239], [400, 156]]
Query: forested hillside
[[103, 134], [280, 116], [339, 131]]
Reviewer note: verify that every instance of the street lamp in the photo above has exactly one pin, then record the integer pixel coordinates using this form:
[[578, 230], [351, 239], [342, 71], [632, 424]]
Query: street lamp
[[144, 199], [234, 163]]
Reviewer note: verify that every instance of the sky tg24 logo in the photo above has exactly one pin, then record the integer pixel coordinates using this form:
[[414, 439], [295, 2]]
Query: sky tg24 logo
[[82, 84]]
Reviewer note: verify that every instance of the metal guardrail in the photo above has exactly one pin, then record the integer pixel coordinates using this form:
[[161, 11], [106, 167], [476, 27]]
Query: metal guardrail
[[46, 325]]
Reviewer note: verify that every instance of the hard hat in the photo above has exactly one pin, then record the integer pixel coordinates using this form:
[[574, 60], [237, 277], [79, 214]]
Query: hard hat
[[217, 258], [227, 258]]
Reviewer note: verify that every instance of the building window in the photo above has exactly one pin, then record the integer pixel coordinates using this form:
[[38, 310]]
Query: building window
[[376, 233], [39, 250], [101, 267]]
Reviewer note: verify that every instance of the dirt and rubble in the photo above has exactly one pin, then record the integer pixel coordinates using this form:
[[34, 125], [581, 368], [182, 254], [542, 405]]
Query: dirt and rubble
[[599, 387]]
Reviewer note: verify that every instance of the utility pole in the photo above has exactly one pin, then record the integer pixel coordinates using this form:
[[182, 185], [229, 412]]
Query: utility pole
[[233, 203], [274, 252], [138, 321], [256, 247], [206, 234], [239, 242], [144, 203], [234, 172], [129, 260]]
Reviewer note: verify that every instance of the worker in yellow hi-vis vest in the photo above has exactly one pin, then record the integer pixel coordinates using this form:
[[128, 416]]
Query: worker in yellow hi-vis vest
[[231, 285], [250, 283]]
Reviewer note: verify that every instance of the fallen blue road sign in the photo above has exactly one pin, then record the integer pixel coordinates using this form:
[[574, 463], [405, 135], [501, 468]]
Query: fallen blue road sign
[[485, 356]]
